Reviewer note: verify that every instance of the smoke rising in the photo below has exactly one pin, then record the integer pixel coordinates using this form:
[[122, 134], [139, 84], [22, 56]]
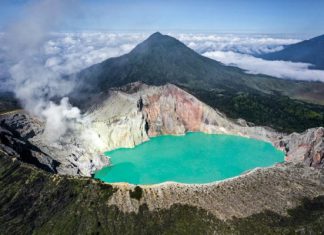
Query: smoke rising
[[59, 118], [35, 84]]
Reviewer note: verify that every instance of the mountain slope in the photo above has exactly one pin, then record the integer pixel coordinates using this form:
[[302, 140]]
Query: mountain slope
[[162, 59], [308, 51], [35, 202]]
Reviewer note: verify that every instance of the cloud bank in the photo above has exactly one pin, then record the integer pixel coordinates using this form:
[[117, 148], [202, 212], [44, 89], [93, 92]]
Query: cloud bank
[[247, 44], [66, 53], [70, 52], [280, 69]]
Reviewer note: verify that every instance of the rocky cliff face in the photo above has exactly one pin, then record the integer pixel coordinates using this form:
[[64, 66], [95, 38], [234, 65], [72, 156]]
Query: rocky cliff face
[[286, 198], [307, 147], [134, 113], [22, 137], [130, 115]]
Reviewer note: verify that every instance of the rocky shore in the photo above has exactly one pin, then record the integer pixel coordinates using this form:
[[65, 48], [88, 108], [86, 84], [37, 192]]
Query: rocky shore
[[125, 117], [277, 189], [285, 199], [130, 115]]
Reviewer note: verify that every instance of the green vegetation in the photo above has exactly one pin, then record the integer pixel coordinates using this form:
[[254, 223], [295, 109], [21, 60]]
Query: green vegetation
[[308, 218], [137, 193], [161, 59], [276, 111], [33, 201]]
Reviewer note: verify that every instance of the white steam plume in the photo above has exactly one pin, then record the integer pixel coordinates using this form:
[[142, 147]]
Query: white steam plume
[[34, 83], [59, 118]]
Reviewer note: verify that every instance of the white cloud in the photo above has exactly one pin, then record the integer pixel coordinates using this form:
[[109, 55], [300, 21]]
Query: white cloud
[[70, 52], [74, 51], [80, 50], [36, 75], [280, 69], [66, 53], [247, 44]]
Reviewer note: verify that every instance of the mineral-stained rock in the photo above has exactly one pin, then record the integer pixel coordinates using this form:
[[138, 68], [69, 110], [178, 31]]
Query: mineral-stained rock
[[130, 115], [307, 147], [120, 122], [22, 137], [262, 200]]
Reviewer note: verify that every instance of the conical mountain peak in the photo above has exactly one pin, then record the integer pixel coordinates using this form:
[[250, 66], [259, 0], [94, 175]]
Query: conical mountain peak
[[160, 44], [156, 35]]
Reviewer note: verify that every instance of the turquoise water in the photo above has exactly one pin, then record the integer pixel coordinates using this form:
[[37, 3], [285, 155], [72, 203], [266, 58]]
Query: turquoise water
[[193, 158]]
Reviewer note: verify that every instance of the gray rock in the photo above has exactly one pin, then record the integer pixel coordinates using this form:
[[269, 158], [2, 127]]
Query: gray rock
[[130, 115]]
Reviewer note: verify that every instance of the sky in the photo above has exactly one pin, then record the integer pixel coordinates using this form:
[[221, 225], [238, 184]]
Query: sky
[[41, 41], [300, 17], [69, 35]]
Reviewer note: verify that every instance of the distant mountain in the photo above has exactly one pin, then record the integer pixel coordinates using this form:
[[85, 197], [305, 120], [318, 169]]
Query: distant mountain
[[162, 59], [308, 51]]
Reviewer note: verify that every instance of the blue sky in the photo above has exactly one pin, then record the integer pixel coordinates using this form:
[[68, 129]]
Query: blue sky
[[220, 16]]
